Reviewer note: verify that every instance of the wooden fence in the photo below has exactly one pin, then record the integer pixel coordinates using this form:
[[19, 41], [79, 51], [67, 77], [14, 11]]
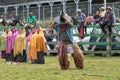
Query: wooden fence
[[108, 43]]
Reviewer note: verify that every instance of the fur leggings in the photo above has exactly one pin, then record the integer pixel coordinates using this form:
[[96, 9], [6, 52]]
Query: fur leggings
[[77, 55]]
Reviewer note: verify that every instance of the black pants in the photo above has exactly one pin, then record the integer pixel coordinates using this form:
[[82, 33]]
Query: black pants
[[9, 57], [40, 58], [21, 58], [108, 24]]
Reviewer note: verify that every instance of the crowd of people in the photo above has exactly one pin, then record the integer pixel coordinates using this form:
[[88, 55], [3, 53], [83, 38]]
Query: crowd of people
[[103, 17], [20, 45], [16, 46]]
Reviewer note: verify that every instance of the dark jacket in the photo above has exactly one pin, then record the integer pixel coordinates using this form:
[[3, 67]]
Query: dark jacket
[[109, 17]]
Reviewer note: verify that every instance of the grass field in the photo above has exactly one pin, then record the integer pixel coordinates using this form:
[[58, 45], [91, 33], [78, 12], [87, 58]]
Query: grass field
[[96, 68]]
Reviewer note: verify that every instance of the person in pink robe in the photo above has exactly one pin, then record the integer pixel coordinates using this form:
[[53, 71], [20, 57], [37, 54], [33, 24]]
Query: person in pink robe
[[10, 44], [14, 35]]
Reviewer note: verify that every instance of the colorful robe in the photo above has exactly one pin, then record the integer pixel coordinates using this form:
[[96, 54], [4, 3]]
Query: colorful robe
[[14, 35], [40, 43], [10, 41], [28, 43], [28, 38], [2, 43], [19, 44], [9, 44], [32, 53], [3, 40]]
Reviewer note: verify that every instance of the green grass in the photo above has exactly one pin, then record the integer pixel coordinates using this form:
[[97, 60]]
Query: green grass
[[96, 68]]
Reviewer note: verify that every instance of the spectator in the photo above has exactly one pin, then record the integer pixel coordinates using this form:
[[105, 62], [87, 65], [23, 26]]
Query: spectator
[[80, 19], [108, 20], [15, 20], [102, 12], [31, 19], [89, 19], [50, 36], [97, 18]]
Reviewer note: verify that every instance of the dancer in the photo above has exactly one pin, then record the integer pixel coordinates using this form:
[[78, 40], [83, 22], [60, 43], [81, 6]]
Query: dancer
[[67, 46]]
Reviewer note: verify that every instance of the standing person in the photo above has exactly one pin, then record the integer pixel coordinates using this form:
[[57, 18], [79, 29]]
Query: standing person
[[40, 46], [10, 39], [31, 20], [20, 46], [3, 37], [108, 20], [66, 44], [32, 52], [81, 20]]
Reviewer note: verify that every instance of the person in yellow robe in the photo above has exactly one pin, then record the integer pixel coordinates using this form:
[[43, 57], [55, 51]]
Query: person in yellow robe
[[40, 46], [24, 48], [19, 46], [32, 52], [3, 36], [40, 43]]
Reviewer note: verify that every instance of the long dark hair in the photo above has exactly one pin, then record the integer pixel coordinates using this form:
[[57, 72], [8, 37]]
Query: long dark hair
[[61, 17]]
